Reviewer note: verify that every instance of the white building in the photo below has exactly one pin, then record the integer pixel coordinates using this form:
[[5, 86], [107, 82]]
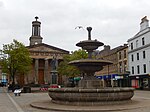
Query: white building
[[139, 56]]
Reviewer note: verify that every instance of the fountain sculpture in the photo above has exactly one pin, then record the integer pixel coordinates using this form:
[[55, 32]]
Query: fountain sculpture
[[89, 92]]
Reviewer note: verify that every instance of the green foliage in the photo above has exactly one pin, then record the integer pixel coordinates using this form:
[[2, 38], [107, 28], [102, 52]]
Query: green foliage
[[65, 69], [18, 59]]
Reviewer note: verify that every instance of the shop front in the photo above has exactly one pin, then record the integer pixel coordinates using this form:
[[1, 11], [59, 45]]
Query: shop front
[[140, 82], [123, 80], [108, 80]]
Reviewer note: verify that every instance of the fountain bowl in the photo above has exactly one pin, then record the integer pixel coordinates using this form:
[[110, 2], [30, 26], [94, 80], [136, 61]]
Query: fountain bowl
[[90, 65], [89, 44], [91, 97]]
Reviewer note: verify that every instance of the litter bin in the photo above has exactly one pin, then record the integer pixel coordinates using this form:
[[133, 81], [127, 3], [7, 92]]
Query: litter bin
[[27, 89]]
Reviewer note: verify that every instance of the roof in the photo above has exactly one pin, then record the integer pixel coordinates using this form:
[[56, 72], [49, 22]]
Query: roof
[[139, 34], [107, 53], [48, 46]]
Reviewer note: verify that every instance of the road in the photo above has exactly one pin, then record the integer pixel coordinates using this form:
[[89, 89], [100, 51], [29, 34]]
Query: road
[[11, 103]]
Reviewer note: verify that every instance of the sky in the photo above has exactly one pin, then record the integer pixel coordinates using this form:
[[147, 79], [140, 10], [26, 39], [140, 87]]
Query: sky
[[113, 21]]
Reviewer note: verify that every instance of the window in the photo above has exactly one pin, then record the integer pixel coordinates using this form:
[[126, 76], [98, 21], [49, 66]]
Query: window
[[125, 54], [144, 68], [120, 67], [132, 58], [137, 43], [144, 56], [131, 46], [138, 69], [137, 56], [119, 55], [143, 41], [125, 66], [132, 70]]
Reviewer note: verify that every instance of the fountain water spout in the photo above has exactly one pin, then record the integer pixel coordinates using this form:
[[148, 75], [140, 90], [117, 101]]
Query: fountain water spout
[[89, 32]]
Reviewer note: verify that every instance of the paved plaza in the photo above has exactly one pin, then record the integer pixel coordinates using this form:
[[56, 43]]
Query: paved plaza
[[11, 103]]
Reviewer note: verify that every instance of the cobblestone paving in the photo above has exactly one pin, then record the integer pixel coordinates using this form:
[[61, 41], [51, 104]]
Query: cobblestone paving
[[142, 95], [30, 97], [5, 103], [26, 98]]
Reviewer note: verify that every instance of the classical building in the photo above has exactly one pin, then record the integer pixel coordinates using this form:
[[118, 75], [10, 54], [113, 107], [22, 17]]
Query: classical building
[[110, 73], [138, 54], [42, 54]]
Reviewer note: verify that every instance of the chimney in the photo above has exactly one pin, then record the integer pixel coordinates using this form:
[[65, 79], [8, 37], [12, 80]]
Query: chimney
[[125, 45], [106, 47], [144, 23]]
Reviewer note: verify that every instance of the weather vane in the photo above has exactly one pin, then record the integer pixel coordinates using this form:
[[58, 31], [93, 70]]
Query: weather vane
[[36, 18]]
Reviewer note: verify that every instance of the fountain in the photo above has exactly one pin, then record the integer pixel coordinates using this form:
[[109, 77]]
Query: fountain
[[89, 92]]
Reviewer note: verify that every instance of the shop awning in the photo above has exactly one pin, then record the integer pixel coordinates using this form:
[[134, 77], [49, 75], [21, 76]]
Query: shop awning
[[107, 77], [77, 78], [99, 77]]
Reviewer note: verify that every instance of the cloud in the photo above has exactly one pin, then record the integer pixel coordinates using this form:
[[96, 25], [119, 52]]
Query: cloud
[[113, 21], [1, 4]]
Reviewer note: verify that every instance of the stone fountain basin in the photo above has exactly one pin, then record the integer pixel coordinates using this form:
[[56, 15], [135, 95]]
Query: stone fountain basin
[[89, 44], [79, 96], [90, 65]]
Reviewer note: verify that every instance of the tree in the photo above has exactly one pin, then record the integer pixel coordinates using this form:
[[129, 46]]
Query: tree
[[16, 59], [68, 70]]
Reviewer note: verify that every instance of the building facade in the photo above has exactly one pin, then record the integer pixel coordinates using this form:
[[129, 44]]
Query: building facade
[[138, 55], [123, 72], [42, 55], [3, 76], [109, 74]]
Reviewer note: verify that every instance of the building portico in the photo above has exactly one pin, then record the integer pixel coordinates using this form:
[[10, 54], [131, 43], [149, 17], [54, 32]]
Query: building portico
[[42, 55]]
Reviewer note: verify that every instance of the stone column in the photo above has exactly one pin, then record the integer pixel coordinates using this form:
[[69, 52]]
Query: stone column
[[36, 70], [46, 71]]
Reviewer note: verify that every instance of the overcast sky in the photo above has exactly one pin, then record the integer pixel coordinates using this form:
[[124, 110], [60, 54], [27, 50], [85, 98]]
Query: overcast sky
[[113, 21]]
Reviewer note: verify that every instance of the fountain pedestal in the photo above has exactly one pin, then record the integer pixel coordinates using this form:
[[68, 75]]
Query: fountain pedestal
[[90, 82]]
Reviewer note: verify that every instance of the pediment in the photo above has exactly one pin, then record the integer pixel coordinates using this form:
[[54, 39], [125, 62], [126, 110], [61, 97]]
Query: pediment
[[43, 49], [46, 48]]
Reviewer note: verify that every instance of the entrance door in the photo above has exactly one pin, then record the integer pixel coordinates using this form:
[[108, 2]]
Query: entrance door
[[21, 79], [41, 76], [135, 83]]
